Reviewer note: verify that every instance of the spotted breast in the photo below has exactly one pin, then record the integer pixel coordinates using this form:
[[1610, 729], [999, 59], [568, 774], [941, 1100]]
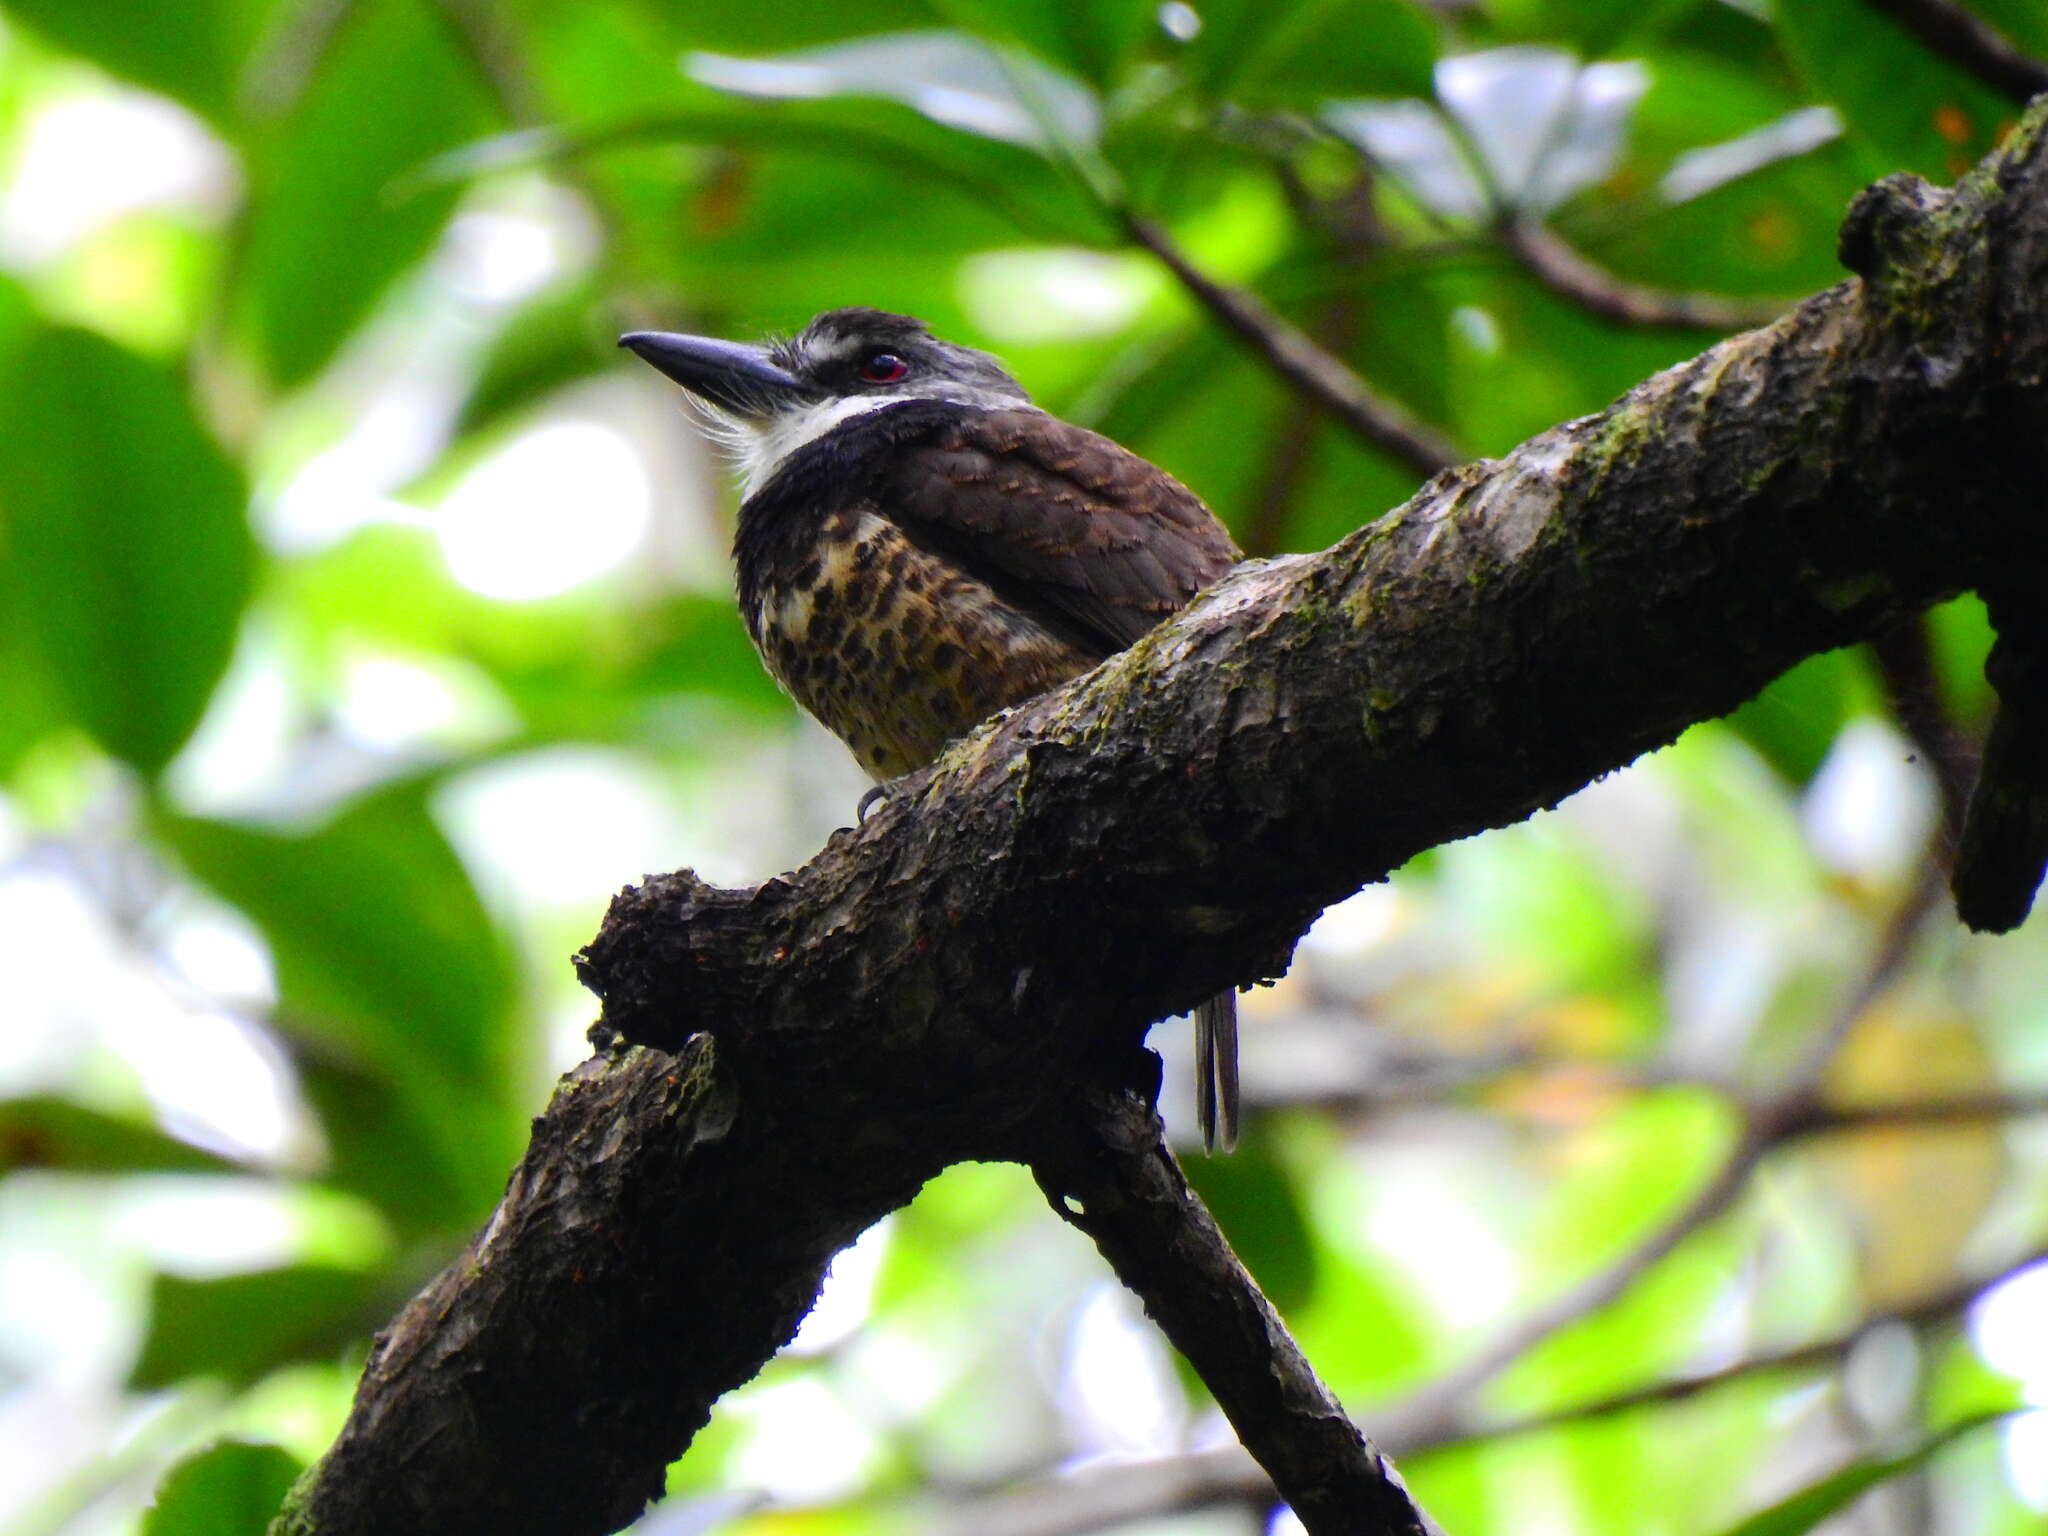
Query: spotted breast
[[920, 567], [895, 649]]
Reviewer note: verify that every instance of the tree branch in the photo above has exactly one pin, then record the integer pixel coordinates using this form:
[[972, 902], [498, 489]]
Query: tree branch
[[1114, 1178], [1320, 376], [1097, 1498], [937, 984], [1795, 1110], [1570, 275]]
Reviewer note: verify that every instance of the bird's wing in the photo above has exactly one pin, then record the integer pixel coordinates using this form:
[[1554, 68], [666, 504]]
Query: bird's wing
[[1060, 517]]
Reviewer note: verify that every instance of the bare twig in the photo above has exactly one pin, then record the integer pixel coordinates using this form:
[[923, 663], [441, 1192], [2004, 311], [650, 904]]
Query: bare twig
[[1935, 1307], [1349, 223], [1795, 1102], [1113, 1177], [1295, 357], [1964, 39], [296, 40], [1792, 1112], [1958, 1109], [1071, 1503], [492, 52], [1432, 1413], [1566, 272], [1269, 507]]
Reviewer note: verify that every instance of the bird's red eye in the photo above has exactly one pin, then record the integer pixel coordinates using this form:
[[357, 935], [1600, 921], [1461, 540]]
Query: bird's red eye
[[884, 368]]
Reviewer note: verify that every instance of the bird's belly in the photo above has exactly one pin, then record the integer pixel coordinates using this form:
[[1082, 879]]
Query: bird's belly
[[895, 650]]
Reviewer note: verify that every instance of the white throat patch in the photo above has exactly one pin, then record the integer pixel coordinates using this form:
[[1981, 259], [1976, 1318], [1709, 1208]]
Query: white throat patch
[[761, 451]]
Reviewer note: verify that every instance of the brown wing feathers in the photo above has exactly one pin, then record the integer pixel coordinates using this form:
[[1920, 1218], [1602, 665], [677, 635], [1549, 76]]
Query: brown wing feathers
[[1064, 518]]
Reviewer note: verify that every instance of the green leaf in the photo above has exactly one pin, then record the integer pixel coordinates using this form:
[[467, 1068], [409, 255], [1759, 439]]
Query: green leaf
[[1794, 722], [2024, 22], [1806, 1509], [922, 160], [1342, 48], [49, 1132], [1594, 27], [1091, 38], [562, 335], [1307, 51], [382, 945], [1524, 358], [30, 707], [332, 224], [394, 1149], [1769, 232], [1960, 633], [787, 23], [239, 1328], [17, 316], [191, 51], [969, 85], [124, 523], [1915, 110], [1254, 1200], [29, 703], [233, 1488], [394, 977]]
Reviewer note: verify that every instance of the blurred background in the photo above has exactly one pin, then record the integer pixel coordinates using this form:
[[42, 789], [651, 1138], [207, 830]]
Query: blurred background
[[365, 622]]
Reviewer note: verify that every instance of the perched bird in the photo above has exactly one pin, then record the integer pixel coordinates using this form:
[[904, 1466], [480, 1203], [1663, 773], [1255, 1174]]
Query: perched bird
[[921, 547]]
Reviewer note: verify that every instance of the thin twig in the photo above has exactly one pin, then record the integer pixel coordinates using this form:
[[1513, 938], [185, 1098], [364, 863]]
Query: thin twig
[[1959, 1109], [1282, 474], [1114, 1178], [1790, 1113], [1964, 39], [1935, 1307], [1795, 1102], [492, 52], [1566, 272], [1295, 357], [1067, 1504], [1352, 227], [291, 48], [1432, 1412]]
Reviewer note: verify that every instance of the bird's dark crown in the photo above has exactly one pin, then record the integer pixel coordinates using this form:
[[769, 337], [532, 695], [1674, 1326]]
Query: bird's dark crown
[[860, 351]]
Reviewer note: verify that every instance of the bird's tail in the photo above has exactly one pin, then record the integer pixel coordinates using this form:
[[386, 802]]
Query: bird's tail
[[1216, 1071]]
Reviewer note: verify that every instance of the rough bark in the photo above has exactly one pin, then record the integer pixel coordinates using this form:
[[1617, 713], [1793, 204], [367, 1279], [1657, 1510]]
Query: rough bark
[[997, 938]]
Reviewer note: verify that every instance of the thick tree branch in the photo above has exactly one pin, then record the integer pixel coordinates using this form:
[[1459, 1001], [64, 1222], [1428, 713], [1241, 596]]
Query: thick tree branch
[[936, 984]]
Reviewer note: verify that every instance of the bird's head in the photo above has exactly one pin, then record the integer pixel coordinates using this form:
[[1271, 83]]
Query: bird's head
[[766, 400]]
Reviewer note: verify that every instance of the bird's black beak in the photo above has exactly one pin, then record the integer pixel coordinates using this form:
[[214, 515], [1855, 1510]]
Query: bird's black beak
[[734, 375]]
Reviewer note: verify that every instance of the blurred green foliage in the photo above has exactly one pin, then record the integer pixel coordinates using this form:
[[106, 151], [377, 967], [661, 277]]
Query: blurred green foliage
[[231, 1489], [322, 736]]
